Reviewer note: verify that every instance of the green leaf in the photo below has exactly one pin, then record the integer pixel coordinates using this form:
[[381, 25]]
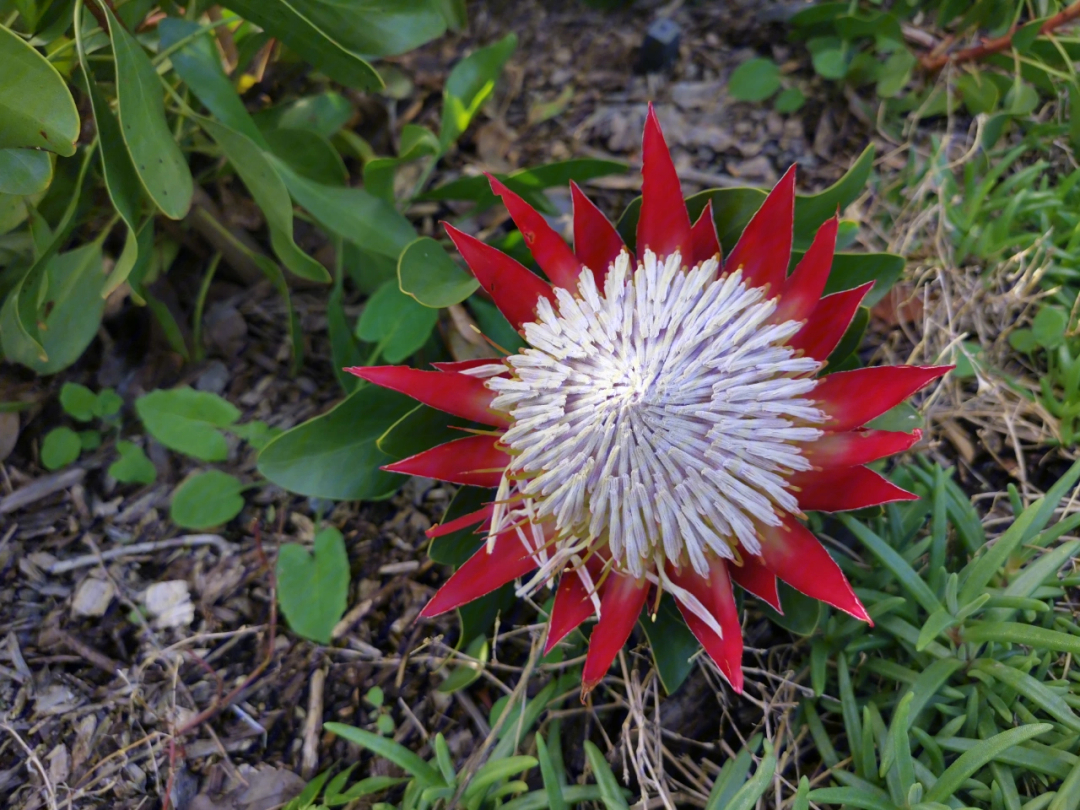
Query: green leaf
[[465, 672], [186, 420], [70, 295], [812, 210], [754, 80], [732, 776], [270, 194], [552, 786], [428, 274], [133, 467], [748, 795], [989, 562], [421, 429], [496, 770], [326, 48], [324, 114], [1022, 99], [107, 404], [199, 65], [425, 775], [1049, 327], [527, 182], [78, 401], [379, 173], [312, 588], [831, 63], [895, 73], [36, 108], [671, 642], [351, 213], [1023, 340], [396, 322], [1033, 690], [980, 95], [206, 500], [789, 101], [851, 796], [469, 84], [90, 439], [850, 270], [903, 418], [257, 433], [60, 447], [158, 161], [24, 171], [334, 456], [610, 793], [308, 154], [980, 754], [891, 559], [802, 613]]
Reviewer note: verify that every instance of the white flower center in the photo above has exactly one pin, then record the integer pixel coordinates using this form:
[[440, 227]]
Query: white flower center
[[661, 415]]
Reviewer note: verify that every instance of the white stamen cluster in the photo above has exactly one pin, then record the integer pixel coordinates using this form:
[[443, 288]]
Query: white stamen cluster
[[661, 415]]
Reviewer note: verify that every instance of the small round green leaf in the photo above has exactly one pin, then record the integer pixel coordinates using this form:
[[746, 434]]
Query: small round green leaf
[[206, 500], [108, 404], [186, 420], [1049, 326], [133, 467], [78, 401], [90, 439], [60, 447], [830, 63], [754, 80], [789, 100], [1023, 340]]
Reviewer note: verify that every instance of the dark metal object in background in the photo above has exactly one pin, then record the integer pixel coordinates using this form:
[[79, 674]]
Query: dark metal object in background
[[660, 48]]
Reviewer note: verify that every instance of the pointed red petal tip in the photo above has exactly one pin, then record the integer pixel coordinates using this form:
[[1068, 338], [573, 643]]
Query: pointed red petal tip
[[793, 553], [481, 516], [481, 574], [754, 577], [804, 286], [857, 447], [664, 223], [828, 322], [513, 287], [764, 249], [596, 242], [704, 242], [552, 254], [572, 607], [620, 607], [716, 596], [845, 489], [853, 398], [456, 394], [475, 461]]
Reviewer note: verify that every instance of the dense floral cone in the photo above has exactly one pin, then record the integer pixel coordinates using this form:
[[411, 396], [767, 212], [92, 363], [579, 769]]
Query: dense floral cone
[[667, 426]]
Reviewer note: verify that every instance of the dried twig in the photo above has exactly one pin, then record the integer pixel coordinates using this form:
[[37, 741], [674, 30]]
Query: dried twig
[[63, 566]]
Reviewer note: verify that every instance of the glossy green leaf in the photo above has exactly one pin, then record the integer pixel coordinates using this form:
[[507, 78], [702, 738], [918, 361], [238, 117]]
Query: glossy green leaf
[[328, 49], [428, 274], [469, 84], [187, 421], [270, 194], [308, 154], [396, 322], [36, 108], [334, 456], [133, 466], [199, 65], [312, 588], [812, 210], [754, 80], [425, 775], [421, 428], [323, 114], [351, 213], [902, 418], [206, 500], [672, 644], [801, 614], [70, 295], [24, 171], [158, 161], [60, 447], [379, 173]]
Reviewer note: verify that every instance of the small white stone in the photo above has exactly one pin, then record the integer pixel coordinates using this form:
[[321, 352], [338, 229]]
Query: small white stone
[[92, 597], [169, 603]]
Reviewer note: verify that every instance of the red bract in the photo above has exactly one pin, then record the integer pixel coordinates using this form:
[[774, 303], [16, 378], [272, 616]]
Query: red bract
[[667, 425]]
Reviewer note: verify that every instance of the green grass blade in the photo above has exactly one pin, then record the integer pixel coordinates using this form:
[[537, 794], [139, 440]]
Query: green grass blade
[[425, 775], [979, 755]]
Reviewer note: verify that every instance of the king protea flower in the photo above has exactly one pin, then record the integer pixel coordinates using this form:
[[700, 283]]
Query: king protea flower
[[666, 428]]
